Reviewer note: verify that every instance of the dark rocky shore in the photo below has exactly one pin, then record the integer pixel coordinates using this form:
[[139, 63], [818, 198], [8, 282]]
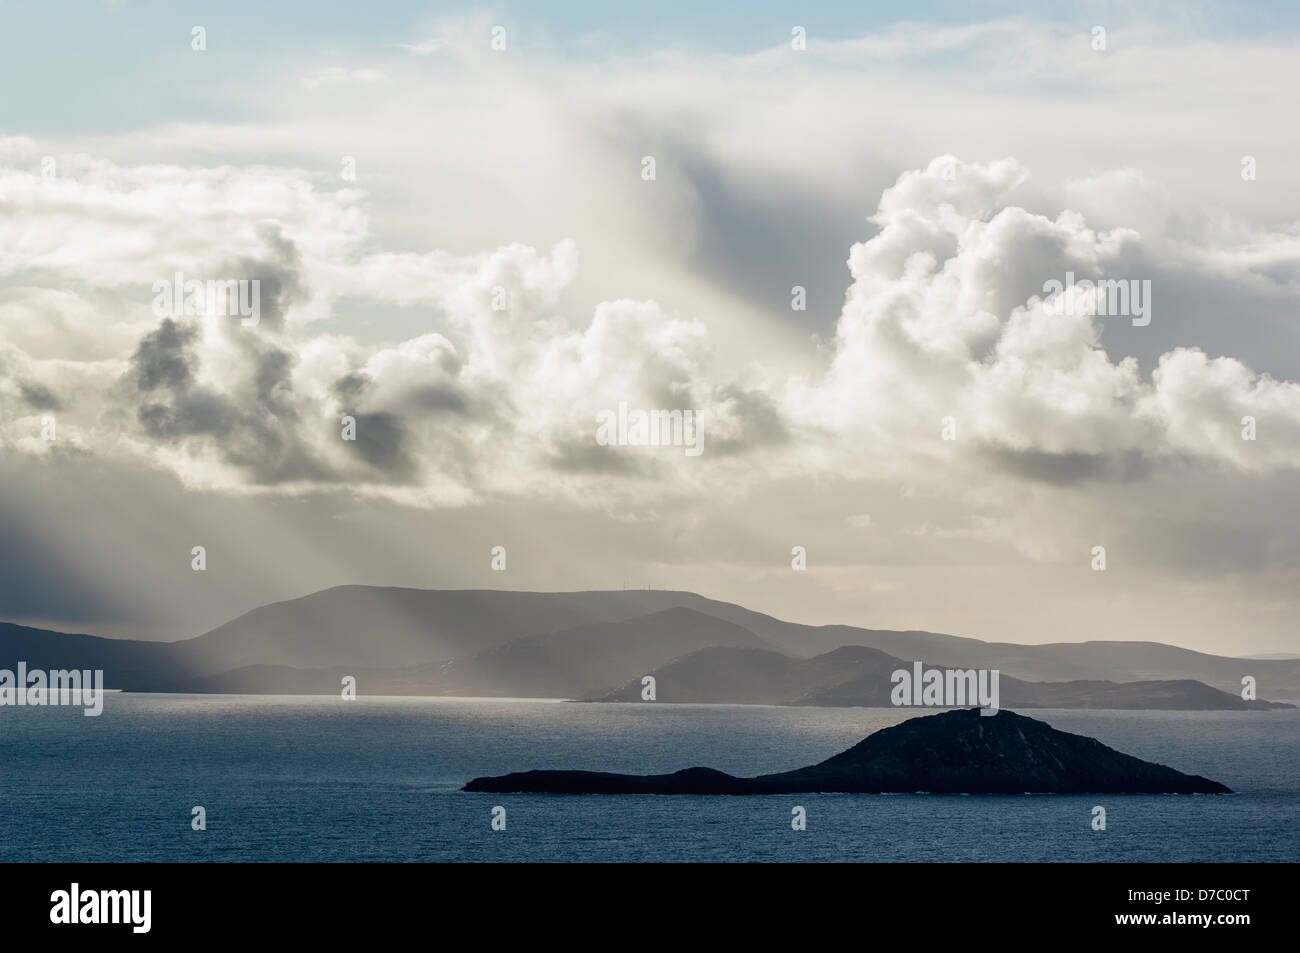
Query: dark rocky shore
[[954, 752]]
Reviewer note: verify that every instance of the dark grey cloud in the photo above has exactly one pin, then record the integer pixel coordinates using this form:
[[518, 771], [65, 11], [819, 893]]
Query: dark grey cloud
[[278, 272], [254, 427], [163, 358], [582, 455], [383, 441], [349, 388], [762, 426], [39, 396], [353, 390], [254, 423], [1068, 468]]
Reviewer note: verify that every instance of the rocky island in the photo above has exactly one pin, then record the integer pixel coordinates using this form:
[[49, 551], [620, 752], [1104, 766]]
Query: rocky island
[[954, 752]]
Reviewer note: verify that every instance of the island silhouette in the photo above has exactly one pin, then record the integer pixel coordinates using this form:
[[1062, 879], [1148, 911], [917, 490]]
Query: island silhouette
[[955, 752]]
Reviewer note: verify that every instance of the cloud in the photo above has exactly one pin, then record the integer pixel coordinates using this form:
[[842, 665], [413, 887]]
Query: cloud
[[945, 317], [473, 300]]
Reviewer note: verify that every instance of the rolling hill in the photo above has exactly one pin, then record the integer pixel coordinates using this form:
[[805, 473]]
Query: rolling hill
[[584, 644], [855, 676]]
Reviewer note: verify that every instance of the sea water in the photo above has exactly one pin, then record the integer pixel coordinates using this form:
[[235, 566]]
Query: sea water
[[294, 778]]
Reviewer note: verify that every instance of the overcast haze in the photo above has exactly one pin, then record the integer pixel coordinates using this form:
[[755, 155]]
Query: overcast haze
[[920, 180]]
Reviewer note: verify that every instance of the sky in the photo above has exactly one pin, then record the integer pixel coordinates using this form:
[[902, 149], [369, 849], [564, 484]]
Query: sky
[[840, 262]]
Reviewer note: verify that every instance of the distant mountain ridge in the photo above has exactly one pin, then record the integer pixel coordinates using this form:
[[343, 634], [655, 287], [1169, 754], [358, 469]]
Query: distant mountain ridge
[[408, 626], [856, 676], [567, 664], [588, 644]]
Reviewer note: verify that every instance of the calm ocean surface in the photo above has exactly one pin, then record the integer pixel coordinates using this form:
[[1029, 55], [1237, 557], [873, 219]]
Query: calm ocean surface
[[288, 778]]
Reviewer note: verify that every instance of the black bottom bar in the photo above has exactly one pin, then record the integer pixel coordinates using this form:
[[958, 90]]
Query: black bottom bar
[[978, 903]]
